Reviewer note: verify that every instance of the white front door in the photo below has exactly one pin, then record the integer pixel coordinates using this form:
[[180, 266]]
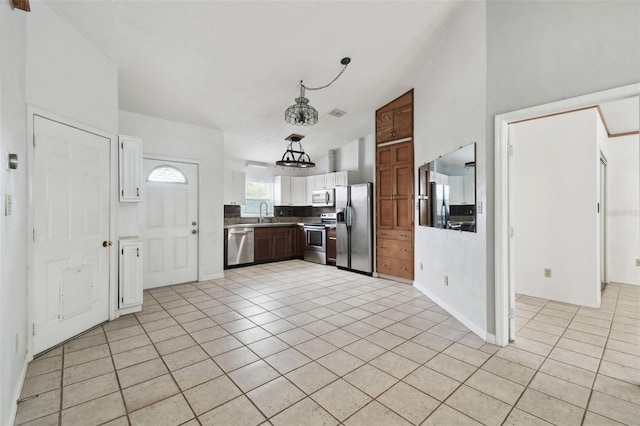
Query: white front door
[[171, 223], [71, 223]]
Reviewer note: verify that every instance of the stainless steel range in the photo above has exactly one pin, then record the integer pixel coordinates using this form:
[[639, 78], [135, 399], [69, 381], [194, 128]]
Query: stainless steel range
[[315, 238]]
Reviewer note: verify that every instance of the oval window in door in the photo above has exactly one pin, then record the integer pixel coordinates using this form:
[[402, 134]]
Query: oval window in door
[[166, 174]]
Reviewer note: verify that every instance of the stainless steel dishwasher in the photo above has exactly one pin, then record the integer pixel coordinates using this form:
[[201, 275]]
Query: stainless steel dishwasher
[[239, 246]]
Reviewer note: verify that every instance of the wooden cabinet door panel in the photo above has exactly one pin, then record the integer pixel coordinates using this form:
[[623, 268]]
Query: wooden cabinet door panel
[[403, 214], [403, 180], [403, 122], [384, 125], [403, 153], [385, 156], [280, 246], [261, 248], [385, 182], [384, 213]]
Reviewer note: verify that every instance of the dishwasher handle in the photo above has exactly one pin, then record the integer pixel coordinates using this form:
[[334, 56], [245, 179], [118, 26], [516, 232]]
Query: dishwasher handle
[[243, 232]]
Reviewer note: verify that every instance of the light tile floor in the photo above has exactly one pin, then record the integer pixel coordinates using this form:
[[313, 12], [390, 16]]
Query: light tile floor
[[293, 343]]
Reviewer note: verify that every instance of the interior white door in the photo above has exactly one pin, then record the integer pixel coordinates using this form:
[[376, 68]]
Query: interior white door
[[171, 223], [71, 223]]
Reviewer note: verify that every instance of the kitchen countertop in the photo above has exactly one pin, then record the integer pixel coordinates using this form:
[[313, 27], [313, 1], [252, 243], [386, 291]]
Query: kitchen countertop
[[262, 225]]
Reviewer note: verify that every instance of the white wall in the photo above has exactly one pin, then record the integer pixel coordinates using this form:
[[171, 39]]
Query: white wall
[[450, 109], [623, 208], [540, 52], [178, 140], [359, 157], [67, 75], [13, 228], [554, 194]]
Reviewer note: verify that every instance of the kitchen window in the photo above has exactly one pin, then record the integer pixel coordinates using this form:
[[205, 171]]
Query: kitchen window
[[258, 191]]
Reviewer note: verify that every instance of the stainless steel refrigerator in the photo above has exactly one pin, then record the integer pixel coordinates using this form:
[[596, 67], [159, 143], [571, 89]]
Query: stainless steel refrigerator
[[440, 205], [354, 227]]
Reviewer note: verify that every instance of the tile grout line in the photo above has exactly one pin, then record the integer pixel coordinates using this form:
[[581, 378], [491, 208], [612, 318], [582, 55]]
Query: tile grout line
[[595, 378]]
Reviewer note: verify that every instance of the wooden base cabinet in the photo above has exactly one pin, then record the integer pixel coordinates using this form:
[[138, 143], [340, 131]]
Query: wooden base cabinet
[[395, 253], [277, 243], [331, 246]]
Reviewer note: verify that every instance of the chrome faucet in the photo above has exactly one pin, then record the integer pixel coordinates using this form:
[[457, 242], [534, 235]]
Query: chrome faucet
[[266, 211]]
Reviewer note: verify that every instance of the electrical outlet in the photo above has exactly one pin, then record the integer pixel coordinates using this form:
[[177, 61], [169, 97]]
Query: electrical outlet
[[547, 273], [421, 267], [446, 280]]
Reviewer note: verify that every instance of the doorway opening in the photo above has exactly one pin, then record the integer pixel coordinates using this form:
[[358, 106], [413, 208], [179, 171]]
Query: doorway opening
[[506, 246]]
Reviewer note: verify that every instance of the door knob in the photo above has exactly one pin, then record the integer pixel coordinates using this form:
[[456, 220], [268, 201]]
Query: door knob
[[107, 244], [193, 223], [194, 232]]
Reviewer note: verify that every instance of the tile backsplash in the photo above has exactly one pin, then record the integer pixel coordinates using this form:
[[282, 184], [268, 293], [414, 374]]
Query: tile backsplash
[[302, 214]]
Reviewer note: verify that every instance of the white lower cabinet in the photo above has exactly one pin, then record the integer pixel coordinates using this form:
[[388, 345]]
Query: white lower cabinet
[[130, 275]]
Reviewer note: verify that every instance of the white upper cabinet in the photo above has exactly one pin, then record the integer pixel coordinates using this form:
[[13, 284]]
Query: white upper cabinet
[[332, 180], [310, 188], [318, 182], [290, 191], [469, 189], [299, 191], [235, 187], [462, 189], [282, 191], [456, 190], [344, 178], [130, 165]]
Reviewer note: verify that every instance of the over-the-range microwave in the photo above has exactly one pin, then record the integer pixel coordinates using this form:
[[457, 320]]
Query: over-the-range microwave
[[324, 198]]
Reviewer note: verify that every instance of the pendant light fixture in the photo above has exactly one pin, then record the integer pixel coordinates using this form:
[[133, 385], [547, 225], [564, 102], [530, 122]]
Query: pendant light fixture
[[303, 114], [295, 156]]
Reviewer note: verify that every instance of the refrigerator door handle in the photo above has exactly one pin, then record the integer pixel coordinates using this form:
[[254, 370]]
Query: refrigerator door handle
[[349, 217]]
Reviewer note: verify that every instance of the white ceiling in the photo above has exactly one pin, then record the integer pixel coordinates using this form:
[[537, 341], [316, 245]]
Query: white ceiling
[[236, 65]]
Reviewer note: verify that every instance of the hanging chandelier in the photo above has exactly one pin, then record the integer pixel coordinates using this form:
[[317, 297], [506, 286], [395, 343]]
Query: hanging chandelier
[[295, 156], [303, 114]]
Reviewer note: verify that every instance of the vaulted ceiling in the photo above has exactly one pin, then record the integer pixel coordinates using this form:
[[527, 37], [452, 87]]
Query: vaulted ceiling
[[236, 65]]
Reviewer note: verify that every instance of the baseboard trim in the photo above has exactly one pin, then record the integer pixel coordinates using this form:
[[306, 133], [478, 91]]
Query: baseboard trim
[[483, 334], [16, 393], [211, 277]]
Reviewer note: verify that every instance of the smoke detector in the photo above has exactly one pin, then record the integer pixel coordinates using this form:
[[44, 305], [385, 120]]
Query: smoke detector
[[337, 113]]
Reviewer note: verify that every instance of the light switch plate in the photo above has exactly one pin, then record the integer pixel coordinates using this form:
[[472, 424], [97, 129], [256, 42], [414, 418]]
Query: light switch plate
[[7, 204], [479, 208]]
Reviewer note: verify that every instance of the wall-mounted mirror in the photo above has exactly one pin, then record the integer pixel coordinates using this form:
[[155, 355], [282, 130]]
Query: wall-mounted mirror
[[447, 191]]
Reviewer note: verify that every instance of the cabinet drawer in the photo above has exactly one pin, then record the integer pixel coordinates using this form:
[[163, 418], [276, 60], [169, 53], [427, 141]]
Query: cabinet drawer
[[399, 249], [394, 235], [395, 267]]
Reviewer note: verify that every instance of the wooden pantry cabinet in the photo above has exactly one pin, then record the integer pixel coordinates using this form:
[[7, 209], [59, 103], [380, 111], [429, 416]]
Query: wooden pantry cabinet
[[394, 188]]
